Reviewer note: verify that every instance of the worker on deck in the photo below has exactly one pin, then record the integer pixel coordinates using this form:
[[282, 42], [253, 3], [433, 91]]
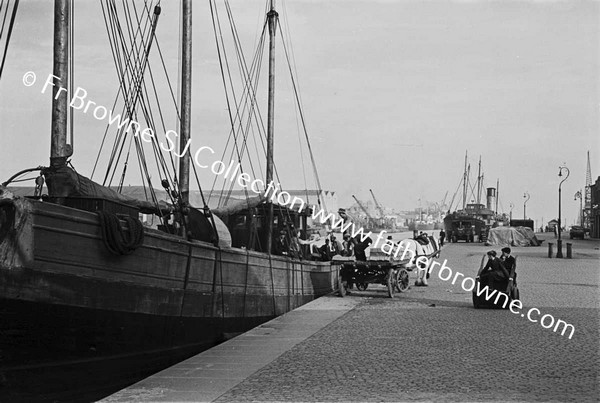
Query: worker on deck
[[281, 244]]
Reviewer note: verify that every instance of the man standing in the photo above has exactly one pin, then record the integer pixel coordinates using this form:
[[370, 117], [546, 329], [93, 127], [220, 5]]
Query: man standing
[[442, 237], [344, 216], [360, 247]]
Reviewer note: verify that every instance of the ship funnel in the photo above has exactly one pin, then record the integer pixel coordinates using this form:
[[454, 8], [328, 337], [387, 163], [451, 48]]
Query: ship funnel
[[491, 198]]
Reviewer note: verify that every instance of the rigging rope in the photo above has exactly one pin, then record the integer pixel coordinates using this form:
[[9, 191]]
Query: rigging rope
[[9, 32]]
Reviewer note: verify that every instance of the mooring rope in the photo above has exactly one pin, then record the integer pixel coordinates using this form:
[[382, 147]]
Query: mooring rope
[[118, 240]]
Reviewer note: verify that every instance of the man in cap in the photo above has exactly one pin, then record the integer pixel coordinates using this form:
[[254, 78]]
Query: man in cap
[[494, 271], [509, 264], [281, 244]]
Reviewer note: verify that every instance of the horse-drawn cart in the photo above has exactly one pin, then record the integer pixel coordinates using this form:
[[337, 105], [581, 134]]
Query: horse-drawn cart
[[361, 274]]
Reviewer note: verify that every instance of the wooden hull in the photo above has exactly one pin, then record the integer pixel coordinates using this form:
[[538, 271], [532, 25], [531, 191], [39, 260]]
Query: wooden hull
[[67, 301]]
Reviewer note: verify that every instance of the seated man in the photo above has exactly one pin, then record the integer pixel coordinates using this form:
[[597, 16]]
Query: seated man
[[325, 251], [422, 239], [334, 245], [493, 273], [348, 246], [508, 262]]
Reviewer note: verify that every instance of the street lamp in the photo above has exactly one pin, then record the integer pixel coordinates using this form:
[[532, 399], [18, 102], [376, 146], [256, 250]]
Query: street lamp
[[559, 242], [527, 197], [578, 196]]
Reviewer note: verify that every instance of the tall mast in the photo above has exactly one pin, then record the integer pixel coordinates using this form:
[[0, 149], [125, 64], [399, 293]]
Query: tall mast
[[59, 149], [497, 193], [272, 20], [465, 183], [479, 182], [186, 101]]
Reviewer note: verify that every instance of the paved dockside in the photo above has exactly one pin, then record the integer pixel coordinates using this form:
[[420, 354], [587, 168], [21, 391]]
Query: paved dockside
[[427, 344]]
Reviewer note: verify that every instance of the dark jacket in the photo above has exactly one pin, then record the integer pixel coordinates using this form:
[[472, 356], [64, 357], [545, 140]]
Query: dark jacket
[[495, 265]]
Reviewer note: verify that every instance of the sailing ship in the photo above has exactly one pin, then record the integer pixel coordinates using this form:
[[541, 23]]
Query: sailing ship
[[473, 221], [85, 287]]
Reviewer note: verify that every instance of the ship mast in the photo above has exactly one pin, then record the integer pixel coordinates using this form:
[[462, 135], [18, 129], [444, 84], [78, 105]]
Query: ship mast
[[497, 193], [479, 178], [186, 101], [59, 149], [465, 183], [272, 20]]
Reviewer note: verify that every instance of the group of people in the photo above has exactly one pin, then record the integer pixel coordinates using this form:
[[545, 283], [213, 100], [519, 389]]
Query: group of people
[[499, 270], [349, 247], [288, 245]]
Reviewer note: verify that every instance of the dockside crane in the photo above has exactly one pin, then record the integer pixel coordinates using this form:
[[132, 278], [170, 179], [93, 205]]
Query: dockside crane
[[370, 219], [379, 208]]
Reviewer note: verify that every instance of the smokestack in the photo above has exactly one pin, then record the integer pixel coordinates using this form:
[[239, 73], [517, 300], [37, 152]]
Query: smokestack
[[491, 198]]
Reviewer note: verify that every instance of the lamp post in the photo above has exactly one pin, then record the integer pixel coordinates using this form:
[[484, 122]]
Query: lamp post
[[526, 197], [559, 241], [510, 214], [578, 196]]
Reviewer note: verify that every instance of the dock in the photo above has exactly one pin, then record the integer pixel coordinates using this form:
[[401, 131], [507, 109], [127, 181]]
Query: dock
[[427, 344]]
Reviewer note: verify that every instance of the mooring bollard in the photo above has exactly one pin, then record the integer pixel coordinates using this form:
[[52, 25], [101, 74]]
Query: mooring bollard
[[550, 249], [559, 248], [569, 250]]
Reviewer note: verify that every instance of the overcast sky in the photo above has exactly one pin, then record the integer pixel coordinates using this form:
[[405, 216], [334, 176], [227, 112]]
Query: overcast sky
[[394, 93]]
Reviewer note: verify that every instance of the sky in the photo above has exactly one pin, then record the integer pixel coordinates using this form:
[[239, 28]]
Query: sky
[[394, 93]]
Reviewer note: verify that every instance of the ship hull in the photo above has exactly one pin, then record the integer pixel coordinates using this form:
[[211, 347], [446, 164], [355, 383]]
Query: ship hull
[[68, 303]]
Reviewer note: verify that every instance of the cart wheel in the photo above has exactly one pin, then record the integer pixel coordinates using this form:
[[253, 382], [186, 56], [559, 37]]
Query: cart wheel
[[402, 280], [391, 282], [362, 286], [341, 286]]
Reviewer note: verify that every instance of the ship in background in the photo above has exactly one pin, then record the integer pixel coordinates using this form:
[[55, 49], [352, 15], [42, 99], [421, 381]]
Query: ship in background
[[87, 290], [473, 221]]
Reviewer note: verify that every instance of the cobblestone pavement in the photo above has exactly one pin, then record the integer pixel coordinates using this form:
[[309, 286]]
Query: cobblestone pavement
[[429, 344]]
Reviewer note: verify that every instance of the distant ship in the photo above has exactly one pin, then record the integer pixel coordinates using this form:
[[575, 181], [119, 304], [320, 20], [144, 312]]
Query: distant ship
[[473, 221], [421, 226]]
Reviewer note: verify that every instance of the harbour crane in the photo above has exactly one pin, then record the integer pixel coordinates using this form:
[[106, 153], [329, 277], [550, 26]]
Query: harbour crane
[[379, 208], [370, 219], [443, 205]]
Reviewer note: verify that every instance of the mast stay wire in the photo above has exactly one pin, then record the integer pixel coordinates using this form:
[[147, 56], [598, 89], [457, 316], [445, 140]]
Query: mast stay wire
[[132, 71], [223, 60], [300, 111], [127, 72], [9, 30], [250, 102]]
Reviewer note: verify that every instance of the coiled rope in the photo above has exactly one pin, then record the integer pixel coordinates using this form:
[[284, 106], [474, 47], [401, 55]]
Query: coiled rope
[[117, 239]]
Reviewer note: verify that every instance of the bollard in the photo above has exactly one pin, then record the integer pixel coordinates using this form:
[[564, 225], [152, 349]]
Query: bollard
[[569, 250], [550, 249], [559, 248]]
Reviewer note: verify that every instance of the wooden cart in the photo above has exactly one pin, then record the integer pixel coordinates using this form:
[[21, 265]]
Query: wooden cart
[[361, 274]]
